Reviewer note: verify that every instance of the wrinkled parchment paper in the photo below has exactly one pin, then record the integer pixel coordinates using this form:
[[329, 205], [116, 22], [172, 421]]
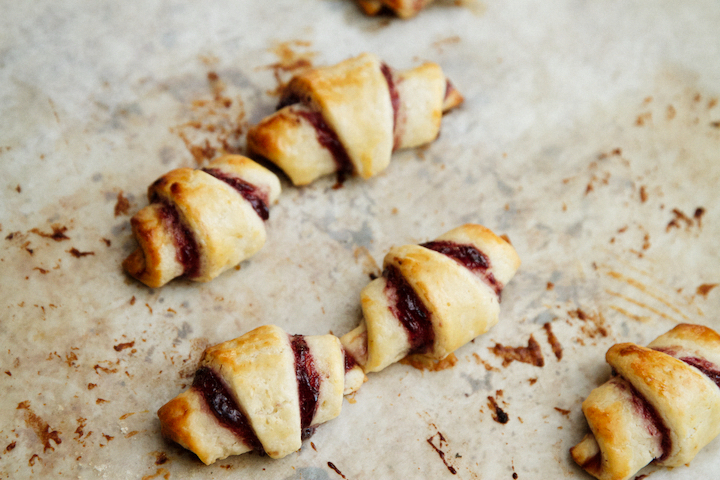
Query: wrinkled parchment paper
[[589, 136]]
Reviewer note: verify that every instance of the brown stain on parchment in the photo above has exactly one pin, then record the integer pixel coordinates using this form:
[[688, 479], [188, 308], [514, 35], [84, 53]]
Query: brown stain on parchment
[[422, 362], [122, 205], [705, 288], [216, 124], [553, 341], [40, 427], [290, 62], [161, 473], [442, 443], [530, 354]]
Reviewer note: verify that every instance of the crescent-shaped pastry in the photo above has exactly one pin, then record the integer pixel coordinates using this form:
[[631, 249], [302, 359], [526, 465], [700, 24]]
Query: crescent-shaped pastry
[[265, 391], [432, 298], [662, 405], [401, 8], [201, 222], [348, 118]]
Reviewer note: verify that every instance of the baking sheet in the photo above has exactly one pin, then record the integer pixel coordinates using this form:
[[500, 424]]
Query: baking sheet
[[589, 136]]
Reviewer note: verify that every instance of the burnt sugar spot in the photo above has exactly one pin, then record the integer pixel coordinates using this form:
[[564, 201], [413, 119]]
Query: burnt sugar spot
[[161, 458], [78, 254], [530, 354], [10, 447], [680, 219], [40, 426], [498, 414], [122, 205], [705, 288], [122, 346], [553, 341], [593, 323], [441, 444], [335, 469], [563, 411], [216, 122], [58, 232]]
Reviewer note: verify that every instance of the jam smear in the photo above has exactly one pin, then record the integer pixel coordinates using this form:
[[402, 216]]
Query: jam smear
[[394, 100], [409, 310], [656, 426], [308, 383], [449, 88], [223, 406], [326, 136], [249, 192], [469, 257], [350, 361], [187, 251], [329, 139]]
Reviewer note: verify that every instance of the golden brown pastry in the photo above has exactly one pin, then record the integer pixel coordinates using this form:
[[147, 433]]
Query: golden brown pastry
[[348, 118], [401, 8], [201, 222], [264, 391], [432, 298], [662, 406]]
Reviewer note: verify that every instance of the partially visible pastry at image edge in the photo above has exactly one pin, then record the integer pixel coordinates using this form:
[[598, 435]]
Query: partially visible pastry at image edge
[[432, 298], [202, 222], [401, 8], [350, 117], [265, 391], [661, 405]]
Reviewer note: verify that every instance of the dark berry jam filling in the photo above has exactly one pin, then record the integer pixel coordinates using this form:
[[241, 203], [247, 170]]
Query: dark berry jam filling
[[708, 368], [328, 138], [249, 192], [394, 100], [470, 257], [221, 403], [308, 382], [409, 310], [449, 88], [656, 426], [350, 361], [187, 251]]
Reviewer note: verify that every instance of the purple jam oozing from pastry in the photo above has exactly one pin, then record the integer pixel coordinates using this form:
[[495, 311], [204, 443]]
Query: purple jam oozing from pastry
[[329, 139], [326, 136], [394, 100], [470, 257], [308, 383], [221, 403], [656, 426], [187, 251], [708, 368], [350, 361], [409, 310], [249, 192], [449, 88]]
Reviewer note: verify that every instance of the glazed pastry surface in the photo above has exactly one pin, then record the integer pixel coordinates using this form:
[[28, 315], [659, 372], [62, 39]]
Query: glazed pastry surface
[[350, 117], [432, 298], [202, 222], [663, 405]]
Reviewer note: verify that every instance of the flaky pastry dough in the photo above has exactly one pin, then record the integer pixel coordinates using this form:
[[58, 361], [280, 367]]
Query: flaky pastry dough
[[348, 118], [662, 406], [201, 222], [432, 298], [264, 391]]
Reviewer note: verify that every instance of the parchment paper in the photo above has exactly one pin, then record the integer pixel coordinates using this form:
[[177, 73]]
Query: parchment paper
[[589, 136]]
